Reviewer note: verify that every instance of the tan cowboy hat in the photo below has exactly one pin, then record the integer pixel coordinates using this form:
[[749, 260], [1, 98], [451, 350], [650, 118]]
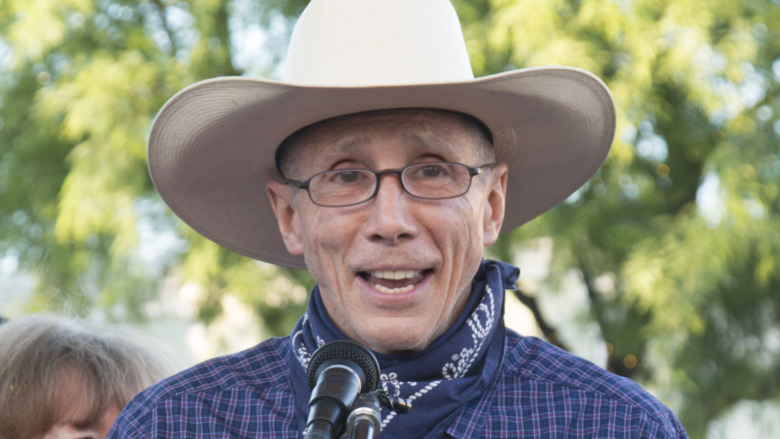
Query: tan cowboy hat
[[212, 146]]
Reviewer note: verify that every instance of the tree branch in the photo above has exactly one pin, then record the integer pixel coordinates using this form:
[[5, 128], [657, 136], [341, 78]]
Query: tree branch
[[618, 361], [549, 332], [165, 25]]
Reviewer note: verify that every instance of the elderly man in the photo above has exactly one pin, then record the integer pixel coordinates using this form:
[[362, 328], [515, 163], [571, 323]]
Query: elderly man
[[388, 168]]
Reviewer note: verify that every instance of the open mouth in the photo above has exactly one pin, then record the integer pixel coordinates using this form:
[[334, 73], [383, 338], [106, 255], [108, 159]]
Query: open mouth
[[394, 281]]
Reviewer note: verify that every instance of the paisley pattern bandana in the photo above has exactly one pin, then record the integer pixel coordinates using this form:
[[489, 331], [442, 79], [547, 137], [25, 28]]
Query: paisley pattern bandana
[[438, 381]]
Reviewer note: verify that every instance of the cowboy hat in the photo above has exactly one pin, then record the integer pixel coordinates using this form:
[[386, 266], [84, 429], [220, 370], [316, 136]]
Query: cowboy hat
[[212, 146]]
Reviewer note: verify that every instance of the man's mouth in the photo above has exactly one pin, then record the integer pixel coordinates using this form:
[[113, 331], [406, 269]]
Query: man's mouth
[[394, 281]]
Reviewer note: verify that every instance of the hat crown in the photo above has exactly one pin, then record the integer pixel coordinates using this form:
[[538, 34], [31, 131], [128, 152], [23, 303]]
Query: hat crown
[[354, 43]]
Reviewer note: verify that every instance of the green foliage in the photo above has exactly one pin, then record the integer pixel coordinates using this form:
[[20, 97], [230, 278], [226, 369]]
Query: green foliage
[[80, 82], [675, 238], [683, 216]]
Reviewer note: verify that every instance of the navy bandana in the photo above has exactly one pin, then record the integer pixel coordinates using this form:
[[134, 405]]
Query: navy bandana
[[455, 368]]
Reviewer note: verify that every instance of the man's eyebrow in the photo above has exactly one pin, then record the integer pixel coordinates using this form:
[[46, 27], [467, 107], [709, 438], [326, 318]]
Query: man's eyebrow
[[349, 148], [340, 150]]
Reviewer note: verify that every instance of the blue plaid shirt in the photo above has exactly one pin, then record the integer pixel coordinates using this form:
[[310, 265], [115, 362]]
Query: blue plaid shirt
[[540, 392]]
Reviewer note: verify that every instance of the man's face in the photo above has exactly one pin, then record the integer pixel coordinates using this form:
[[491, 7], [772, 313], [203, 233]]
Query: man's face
[[395, 271]]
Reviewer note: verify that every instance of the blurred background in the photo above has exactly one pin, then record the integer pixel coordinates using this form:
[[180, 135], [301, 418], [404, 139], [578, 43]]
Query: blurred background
[[664, 267]]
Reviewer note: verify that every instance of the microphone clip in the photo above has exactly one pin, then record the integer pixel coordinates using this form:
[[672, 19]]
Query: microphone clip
[[364, 421]]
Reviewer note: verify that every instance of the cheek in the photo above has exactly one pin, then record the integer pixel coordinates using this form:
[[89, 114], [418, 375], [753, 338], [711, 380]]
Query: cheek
[[320, 229], [462, 221], [327, 237]]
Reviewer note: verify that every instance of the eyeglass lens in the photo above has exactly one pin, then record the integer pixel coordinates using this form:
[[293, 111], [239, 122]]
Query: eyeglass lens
[[425, 180]]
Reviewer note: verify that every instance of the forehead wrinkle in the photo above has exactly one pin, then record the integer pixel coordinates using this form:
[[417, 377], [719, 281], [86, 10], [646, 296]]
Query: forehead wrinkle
[[433, 142], [429, 141], [421, 129], [344, 136], [346, 146]]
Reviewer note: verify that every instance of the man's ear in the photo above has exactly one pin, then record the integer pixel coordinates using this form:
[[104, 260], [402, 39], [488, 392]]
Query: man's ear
[[495, 204], [287, 217]]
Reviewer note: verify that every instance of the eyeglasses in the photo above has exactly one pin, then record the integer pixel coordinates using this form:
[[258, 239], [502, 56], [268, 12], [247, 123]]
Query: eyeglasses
[[429, 181]]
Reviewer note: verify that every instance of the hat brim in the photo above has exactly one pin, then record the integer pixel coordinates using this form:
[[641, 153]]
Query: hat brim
[[211, 147]]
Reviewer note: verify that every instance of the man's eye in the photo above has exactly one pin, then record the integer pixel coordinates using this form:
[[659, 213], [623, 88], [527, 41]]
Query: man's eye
[[431, 171], [348, 176]]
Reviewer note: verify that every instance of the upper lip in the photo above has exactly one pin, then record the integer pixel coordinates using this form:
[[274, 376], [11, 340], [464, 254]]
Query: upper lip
[[394, 264]]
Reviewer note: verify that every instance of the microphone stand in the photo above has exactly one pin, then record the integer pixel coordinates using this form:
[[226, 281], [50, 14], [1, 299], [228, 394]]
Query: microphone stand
[[364, 421]]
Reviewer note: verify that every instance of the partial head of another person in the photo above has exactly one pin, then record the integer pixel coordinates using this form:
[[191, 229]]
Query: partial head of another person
[[64, 379]]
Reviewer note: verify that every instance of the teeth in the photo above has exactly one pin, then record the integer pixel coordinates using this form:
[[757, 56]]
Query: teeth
[[386, 290], [394, 274]]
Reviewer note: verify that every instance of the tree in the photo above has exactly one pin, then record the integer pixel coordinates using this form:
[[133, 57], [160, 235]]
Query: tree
[[675, 239], [81, 81]]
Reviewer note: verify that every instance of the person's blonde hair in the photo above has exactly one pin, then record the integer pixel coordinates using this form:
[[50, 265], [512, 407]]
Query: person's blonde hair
[[53, 367]]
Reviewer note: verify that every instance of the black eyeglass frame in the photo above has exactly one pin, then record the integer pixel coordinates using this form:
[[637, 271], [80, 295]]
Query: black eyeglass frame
[[472, 170]]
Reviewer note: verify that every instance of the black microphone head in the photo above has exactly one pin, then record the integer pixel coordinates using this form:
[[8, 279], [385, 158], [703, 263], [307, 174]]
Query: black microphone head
[[345, 350]]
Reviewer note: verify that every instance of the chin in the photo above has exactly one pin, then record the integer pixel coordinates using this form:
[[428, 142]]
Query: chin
[[402, 344]]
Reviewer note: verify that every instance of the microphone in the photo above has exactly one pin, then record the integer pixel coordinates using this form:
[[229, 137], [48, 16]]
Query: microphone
[[338, 372]]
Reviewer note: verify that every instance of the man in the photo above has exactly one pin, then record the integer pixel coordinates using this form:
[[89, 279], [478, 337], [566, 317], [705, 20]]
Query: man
[[388, 168]]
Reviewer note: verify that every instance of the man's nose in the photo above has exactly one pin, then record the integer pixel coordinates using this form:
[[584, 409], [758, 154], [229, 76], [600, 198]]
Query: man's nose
[[391, 220]]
